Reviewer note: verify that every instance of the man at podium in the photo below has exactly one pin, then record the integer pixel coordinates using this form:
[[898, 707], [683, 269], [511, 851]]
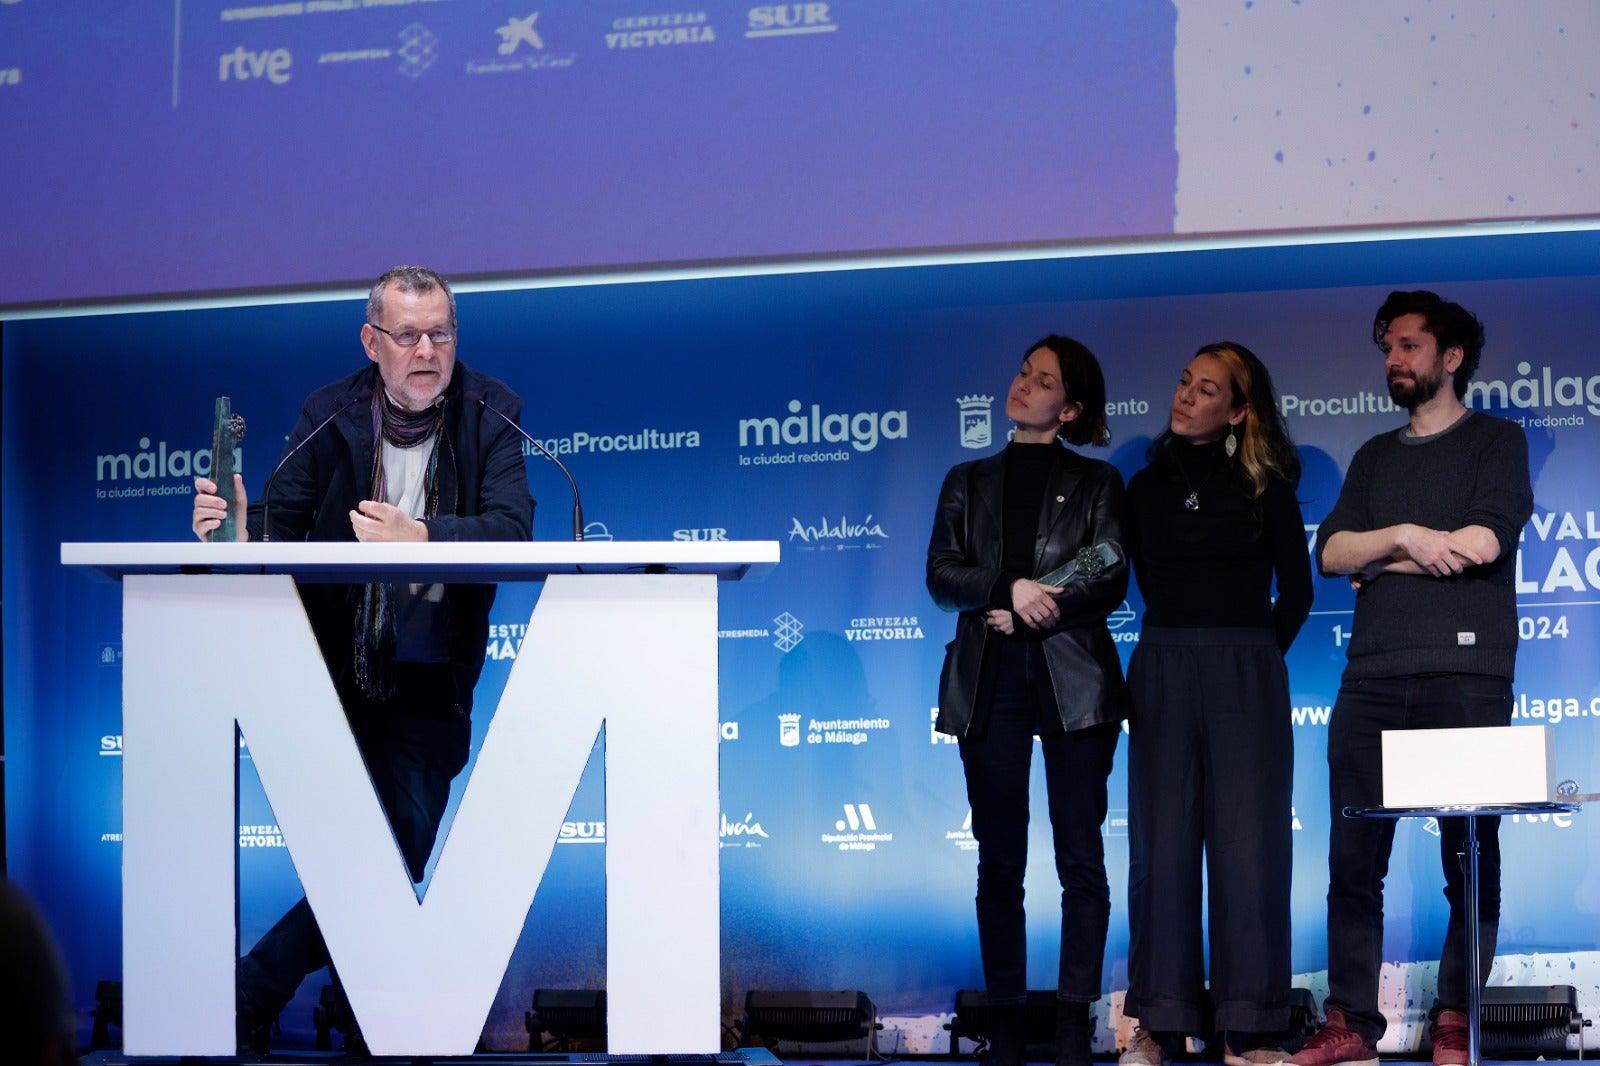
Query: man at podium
[[402, 450]]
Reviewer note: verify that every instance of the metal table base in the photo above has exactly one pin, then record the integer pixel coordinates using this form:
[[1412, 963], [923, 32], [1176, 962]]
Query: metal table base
[[1469, 884]]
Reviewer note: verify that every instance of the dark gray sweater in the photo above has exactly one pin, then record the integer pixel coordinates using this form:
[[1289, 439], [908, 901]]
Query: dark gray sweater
[[1474, 473]]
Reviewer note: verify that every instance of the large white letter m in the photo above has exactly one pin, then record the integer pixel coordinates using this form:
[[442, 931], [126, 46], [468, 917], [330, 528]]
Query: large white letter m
[[421, 976]]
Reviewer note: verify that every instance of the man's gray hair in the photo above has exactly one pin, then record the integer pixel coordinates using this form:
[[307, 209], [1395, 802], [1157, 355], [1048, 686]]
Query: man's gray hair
[[412, 279]]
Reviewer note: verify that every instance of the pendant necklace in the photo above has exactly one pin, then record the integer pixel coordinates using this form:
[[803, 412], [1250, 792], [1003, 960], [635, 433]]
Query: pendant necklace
[[1191, 502]]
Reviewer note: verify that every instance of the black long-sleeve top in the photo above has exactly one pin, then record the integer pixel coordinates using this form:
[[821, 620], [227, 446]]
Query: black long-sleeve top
[[1215, 565]]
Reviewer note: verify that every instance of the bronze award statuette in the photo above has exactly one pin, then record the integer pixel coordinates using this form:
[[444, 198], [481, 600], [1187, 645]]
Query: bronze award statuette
[[1088, 563], [227, 430]]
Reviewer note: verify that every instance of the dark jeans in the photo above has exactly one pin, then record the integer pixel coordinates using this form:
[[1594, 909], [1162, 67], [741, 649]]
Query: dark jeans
[[1076, 767], [1210, 780], [413, 747], [1358, 848]]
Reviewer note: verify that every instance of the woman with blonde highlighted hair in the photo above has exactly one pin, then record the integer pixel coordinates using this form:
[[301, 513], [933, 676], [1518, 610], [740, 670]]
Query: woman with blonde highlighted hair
[[1213, 525]]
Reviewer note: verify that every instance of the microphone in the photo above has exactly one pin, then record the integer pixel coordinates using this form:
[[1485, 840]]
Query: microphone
[[577, 504], [266, 491]]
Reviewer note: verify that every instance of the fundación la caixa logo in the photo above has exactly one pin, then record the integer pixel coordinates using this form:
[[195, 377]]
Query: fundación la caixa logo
[[517, 32], [520, 47]]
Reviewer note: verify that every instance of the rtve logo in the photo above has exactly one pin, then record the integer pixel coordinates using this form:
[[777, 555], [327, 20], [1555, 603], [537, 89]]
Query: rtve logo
[[241, 64]]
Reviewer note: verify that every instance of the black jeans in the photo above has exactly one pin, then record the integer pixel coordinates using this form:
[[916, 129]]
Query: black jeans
[[413, 747], [1076, 767], [1358, 848], [1210, 781]]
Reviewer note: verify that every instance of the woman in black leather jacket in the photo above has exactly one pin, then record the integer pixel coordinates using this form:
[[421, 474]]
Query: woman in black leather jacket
[[1029, 660]]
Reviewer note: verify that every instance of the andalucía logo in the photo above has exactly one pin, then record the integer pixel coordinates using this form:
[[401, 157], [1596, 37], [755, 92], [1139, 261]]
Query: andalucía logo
[[742, 834], [836, 534]]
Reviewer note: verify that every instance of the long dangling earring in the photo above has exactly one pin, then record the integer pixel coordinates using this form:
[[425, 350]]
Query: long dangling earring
[[1230, 445]]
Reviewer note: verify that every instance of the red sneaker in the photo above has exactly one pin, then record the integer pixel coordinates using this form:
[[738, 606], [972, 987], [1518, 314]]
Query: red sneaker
[[1335, 1045], [1449, 1034]]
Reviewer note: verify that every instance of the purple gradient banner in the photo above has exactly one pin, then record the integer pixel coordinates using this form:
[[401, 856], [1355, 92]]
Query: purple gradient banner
[[225, 146]]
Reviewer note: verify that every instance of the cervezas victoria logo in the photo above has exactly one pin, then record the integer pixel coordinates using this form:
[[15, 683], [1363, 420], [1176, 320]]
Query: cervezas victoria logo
[[657, 31]]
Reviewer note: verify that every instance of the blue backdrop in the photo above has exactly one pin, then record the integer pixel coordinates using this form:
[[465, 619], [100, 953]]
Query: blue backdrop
[[847, 859]]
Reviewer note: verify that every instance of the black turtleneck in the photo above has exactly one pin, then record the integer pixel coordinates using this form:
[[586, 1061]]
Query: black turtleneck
[[1027, 470], [1214, 565]]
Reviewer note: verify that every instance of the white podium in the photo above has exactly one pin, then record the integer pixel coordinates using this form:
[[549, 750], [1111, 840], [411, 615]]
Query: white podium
[[624, 634]]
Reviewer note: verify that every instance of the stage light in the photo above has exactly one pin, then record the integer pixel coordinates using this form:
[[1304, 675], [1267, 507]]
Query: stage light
[[106, 1014], [1530, 1021], [810, 1017], [567, 1014], [973, 1017]]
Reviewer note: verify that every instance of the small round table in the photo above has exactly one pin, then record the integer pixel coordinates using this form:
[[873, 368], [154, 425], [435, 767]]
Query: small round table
[[1469, 881]]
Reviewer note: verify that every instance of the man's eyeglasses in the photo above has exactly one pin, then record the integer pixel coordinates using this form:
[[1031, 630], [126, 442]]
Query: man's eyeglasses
[[408, 338]]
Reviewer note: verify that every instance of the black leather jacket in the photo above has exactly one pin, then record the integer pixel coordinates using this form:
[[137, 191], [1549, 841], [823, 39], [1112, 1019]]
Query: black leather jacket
[[1083, 504], [483, 495]]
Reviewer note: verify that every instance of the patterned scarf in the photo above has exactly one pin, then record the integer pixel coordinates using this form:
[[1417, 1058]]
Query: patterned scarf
[[375, 632]]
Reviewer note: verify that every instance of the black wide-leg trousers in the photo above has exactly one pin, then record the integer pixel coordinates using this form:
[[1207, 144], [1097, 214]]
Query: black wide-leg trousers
[[1210, 779]]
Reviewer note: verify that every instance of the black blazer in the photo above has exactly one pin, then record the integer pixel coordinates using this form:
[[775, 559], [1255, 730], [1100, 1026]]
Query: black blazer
[[1083, 504]]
